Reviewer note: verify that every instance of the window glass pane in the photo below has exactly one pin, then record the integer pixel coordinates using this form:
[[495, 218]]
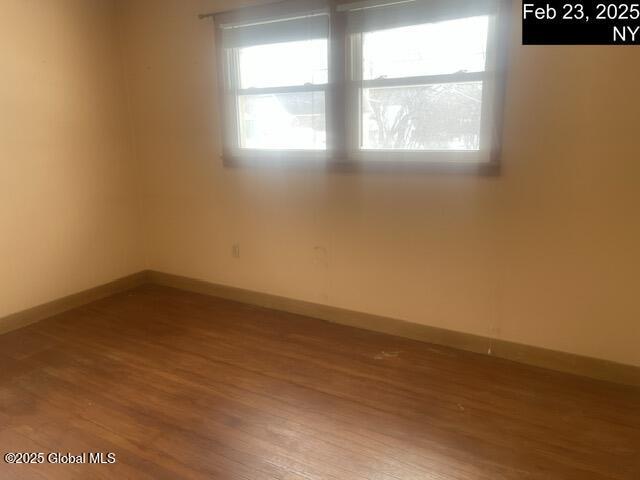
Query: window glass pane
[[431, 49], [286, 121], [284, 64], [426, 117]]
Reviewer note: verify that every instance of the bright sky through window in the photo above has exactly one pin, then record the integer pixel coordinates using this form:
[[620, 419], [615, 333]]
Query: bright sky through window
[[431, 49], [284, 64]]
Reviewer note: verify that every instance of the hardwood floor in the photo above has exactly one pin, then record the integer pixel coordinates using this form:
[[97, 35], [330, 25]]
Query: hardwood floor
[[183, 386]]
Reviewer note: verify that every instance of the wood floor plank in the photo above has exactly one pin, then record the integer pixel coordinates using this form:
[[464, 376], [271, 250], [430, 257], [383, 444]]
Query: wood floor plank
[[180, 385]]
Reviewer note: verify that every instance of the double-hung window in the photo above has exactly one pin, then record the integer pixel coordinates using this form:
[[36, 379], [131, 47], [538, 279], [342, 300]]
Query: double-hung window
[[275, 79], [362, 82]]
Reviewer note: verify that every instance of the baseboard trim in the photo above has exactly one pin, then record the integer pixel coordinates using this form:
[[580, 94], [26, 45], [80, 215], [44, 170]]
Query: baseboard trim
[[535, 356], [539, 357], [61, 305]]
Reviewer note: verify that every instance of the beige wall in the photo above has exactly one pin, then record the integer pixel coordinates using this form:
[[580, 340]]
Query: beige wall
[[547, 254], [68, 202]]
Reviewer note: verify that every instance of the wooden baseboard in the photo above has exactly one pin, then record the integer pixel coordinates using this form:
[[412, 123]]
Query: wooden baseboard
[[41, 312], [535, 356]]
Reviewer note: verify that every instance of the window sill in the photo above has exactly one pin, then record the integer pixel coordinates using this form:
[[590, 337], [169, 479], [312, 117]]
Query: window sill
[[340, 165]]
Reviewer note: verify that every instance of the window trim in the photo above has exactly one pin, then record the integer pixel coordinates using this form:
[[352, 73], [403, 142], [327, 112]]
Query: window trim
[[342, 93]]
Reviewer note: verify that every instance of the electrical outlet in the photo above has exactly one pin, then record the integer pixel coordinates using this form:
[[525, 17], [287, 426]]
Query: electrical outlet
[[235, 250]]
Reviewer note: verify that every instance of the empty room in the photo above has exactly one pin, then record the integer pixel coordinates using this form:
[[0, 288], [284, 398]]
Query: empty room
[[319, 240]]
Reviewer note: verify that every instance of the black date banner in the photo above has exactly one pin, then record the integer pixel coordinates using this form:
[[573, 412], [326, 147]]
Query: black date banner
[[586, 22]]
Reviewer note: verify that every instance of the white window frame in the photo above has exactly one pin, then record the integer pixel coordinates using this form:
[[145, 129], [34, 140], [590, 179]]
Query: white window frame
[[343, 95]]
